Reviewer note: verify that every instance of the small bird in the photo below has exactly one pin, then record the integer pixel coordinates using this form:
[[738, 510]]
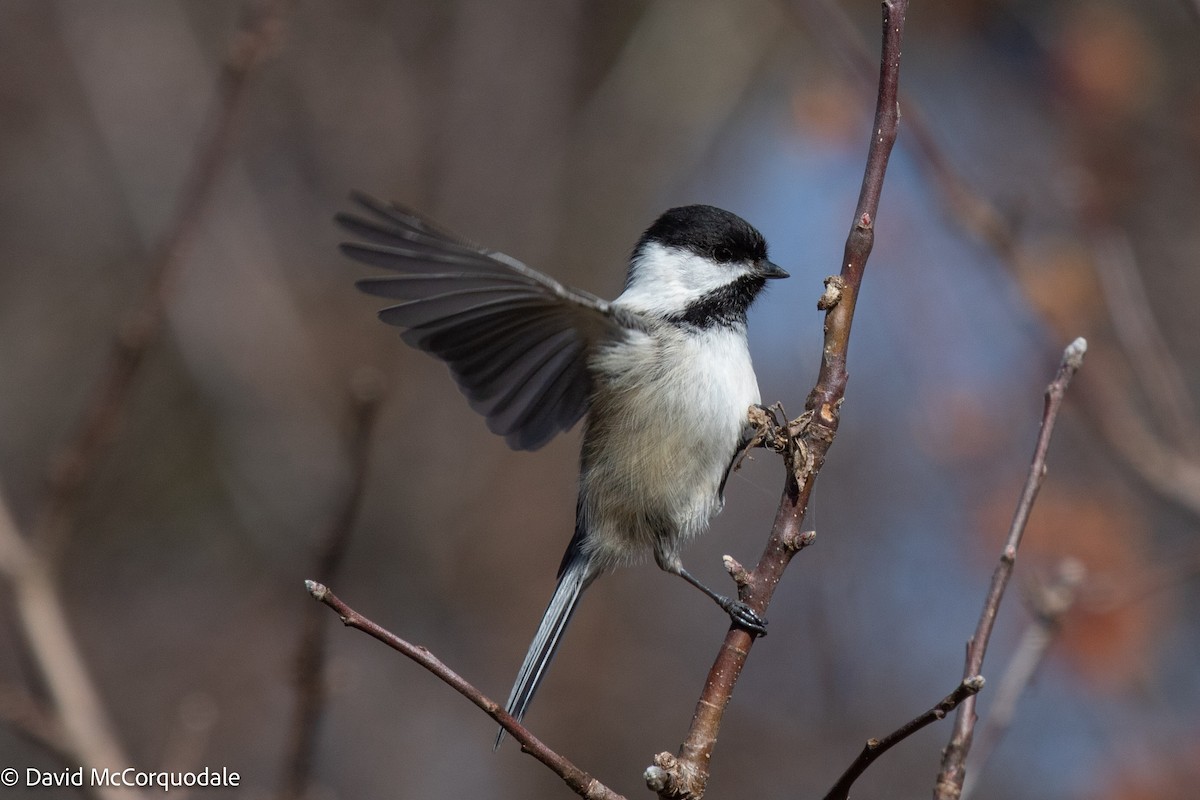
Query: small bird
[[663, 374]]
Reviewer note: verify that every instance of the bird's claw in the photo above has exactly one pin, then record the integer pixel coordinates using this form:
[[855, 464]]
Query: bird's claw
[[745, 617]]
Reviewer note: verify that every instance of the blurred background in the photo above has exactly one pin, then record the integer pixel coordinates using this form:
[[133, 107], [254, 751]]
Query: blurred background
[[1045, 186]]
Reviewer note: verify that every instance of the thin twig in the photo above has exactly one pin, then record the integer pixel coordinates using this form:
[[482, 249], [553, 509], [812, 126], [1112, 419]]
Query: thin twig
[[809, 438], [97, 428], [950, 778], [1050, 603], [579, 781], [366, 396], [874, 748]]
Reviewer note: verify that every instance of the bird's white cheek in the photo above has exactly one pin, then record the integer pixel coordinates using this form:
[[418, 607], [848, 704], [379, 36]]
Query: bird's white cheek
[[665, 281]]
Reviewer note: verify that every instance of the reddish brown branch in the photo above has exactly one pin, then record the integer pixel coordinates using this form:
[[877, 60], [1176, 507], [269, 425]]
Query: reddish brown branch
[[579, 781], [808, 439], [950, 778], [366, 395], [842, 292], [97, 428], [874, 748]]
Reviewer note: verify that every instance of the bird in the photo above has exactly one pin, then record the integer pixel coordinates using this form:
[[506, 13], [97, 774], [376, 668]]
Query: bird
[[662, 373]]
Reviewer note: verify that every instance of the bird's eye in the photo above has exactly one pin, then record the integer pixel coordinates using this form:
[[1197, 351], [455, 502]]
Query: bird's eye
[[723, 255]]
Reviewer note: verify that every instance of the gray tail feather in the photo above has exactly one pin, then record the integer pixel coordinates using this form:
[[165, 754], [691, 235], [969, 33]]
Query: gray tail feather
[[573, 579]]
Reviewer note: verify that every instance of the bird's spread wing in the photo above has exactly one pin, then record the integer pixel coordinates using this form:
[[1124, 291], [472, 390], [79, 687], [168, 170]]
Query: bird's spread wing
[[516, 340]]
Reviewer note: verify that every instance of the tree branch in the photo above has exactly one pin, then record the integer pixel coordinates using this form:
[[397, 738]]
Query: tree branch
[[97, 428], [950, 778], [808, 439], [87, 732], [27, 562], [1110, 405], [579, 781], [309, 680], [1050, 603], [874, 748], [34, 721], [1143, 341]]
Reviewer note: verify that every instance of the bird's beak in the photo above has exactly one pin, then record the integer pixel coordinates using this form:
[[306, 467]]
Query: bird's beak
[[769, 269]]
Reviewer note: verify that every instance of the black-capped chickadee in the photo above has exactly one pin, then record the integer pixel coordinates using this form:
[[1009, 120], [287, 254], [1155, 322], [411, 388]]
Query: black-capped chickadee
[[663, 373]]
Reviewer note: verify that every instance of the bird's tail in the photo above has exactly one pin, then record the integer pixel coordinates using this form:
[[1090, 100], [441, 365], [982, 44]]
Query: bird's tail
[[572, 580]]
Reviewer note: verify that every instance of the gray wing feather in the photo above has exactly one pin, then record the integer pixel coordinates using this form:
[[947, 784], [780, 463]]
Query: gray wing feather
[[516, 341]]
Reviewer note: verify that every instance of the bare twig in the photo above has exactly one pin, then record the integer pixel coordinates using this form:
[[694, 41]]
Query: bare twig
[[685, 775], [874, 748], [1050, 603], [366, 395], [71, 468], [579, 781], [950, 778], [87, 732]]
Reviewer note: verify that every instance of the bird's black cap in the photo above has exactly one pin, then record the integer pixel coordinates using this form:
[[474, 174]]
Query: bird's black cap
[[709, 232]]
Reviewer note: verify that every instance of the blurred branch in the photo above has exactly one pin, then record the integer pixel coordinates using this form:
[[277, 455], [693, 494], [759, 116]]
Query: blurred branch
[[1050, 603], [808, 439], [77, 722], [1107, 592], [579, 781], [1109, 405], [1119, 419], [950, 778], [832, 27], [25, 715], [188, 739], [874, 748], [366, 396], [97, 429], [1142, 340], [87, 733], [682, 73]]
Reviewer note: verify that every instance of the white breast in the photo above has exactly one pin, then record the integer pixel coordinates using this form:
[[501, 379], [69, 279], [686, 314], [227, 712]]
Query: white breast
[[668, 414]]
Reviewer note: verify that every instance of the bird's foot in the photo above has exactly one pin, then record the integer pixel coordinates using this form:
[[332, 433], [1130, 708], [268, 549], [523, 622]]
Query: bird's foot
[[743, 616], [766, 430], [739, 613]]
